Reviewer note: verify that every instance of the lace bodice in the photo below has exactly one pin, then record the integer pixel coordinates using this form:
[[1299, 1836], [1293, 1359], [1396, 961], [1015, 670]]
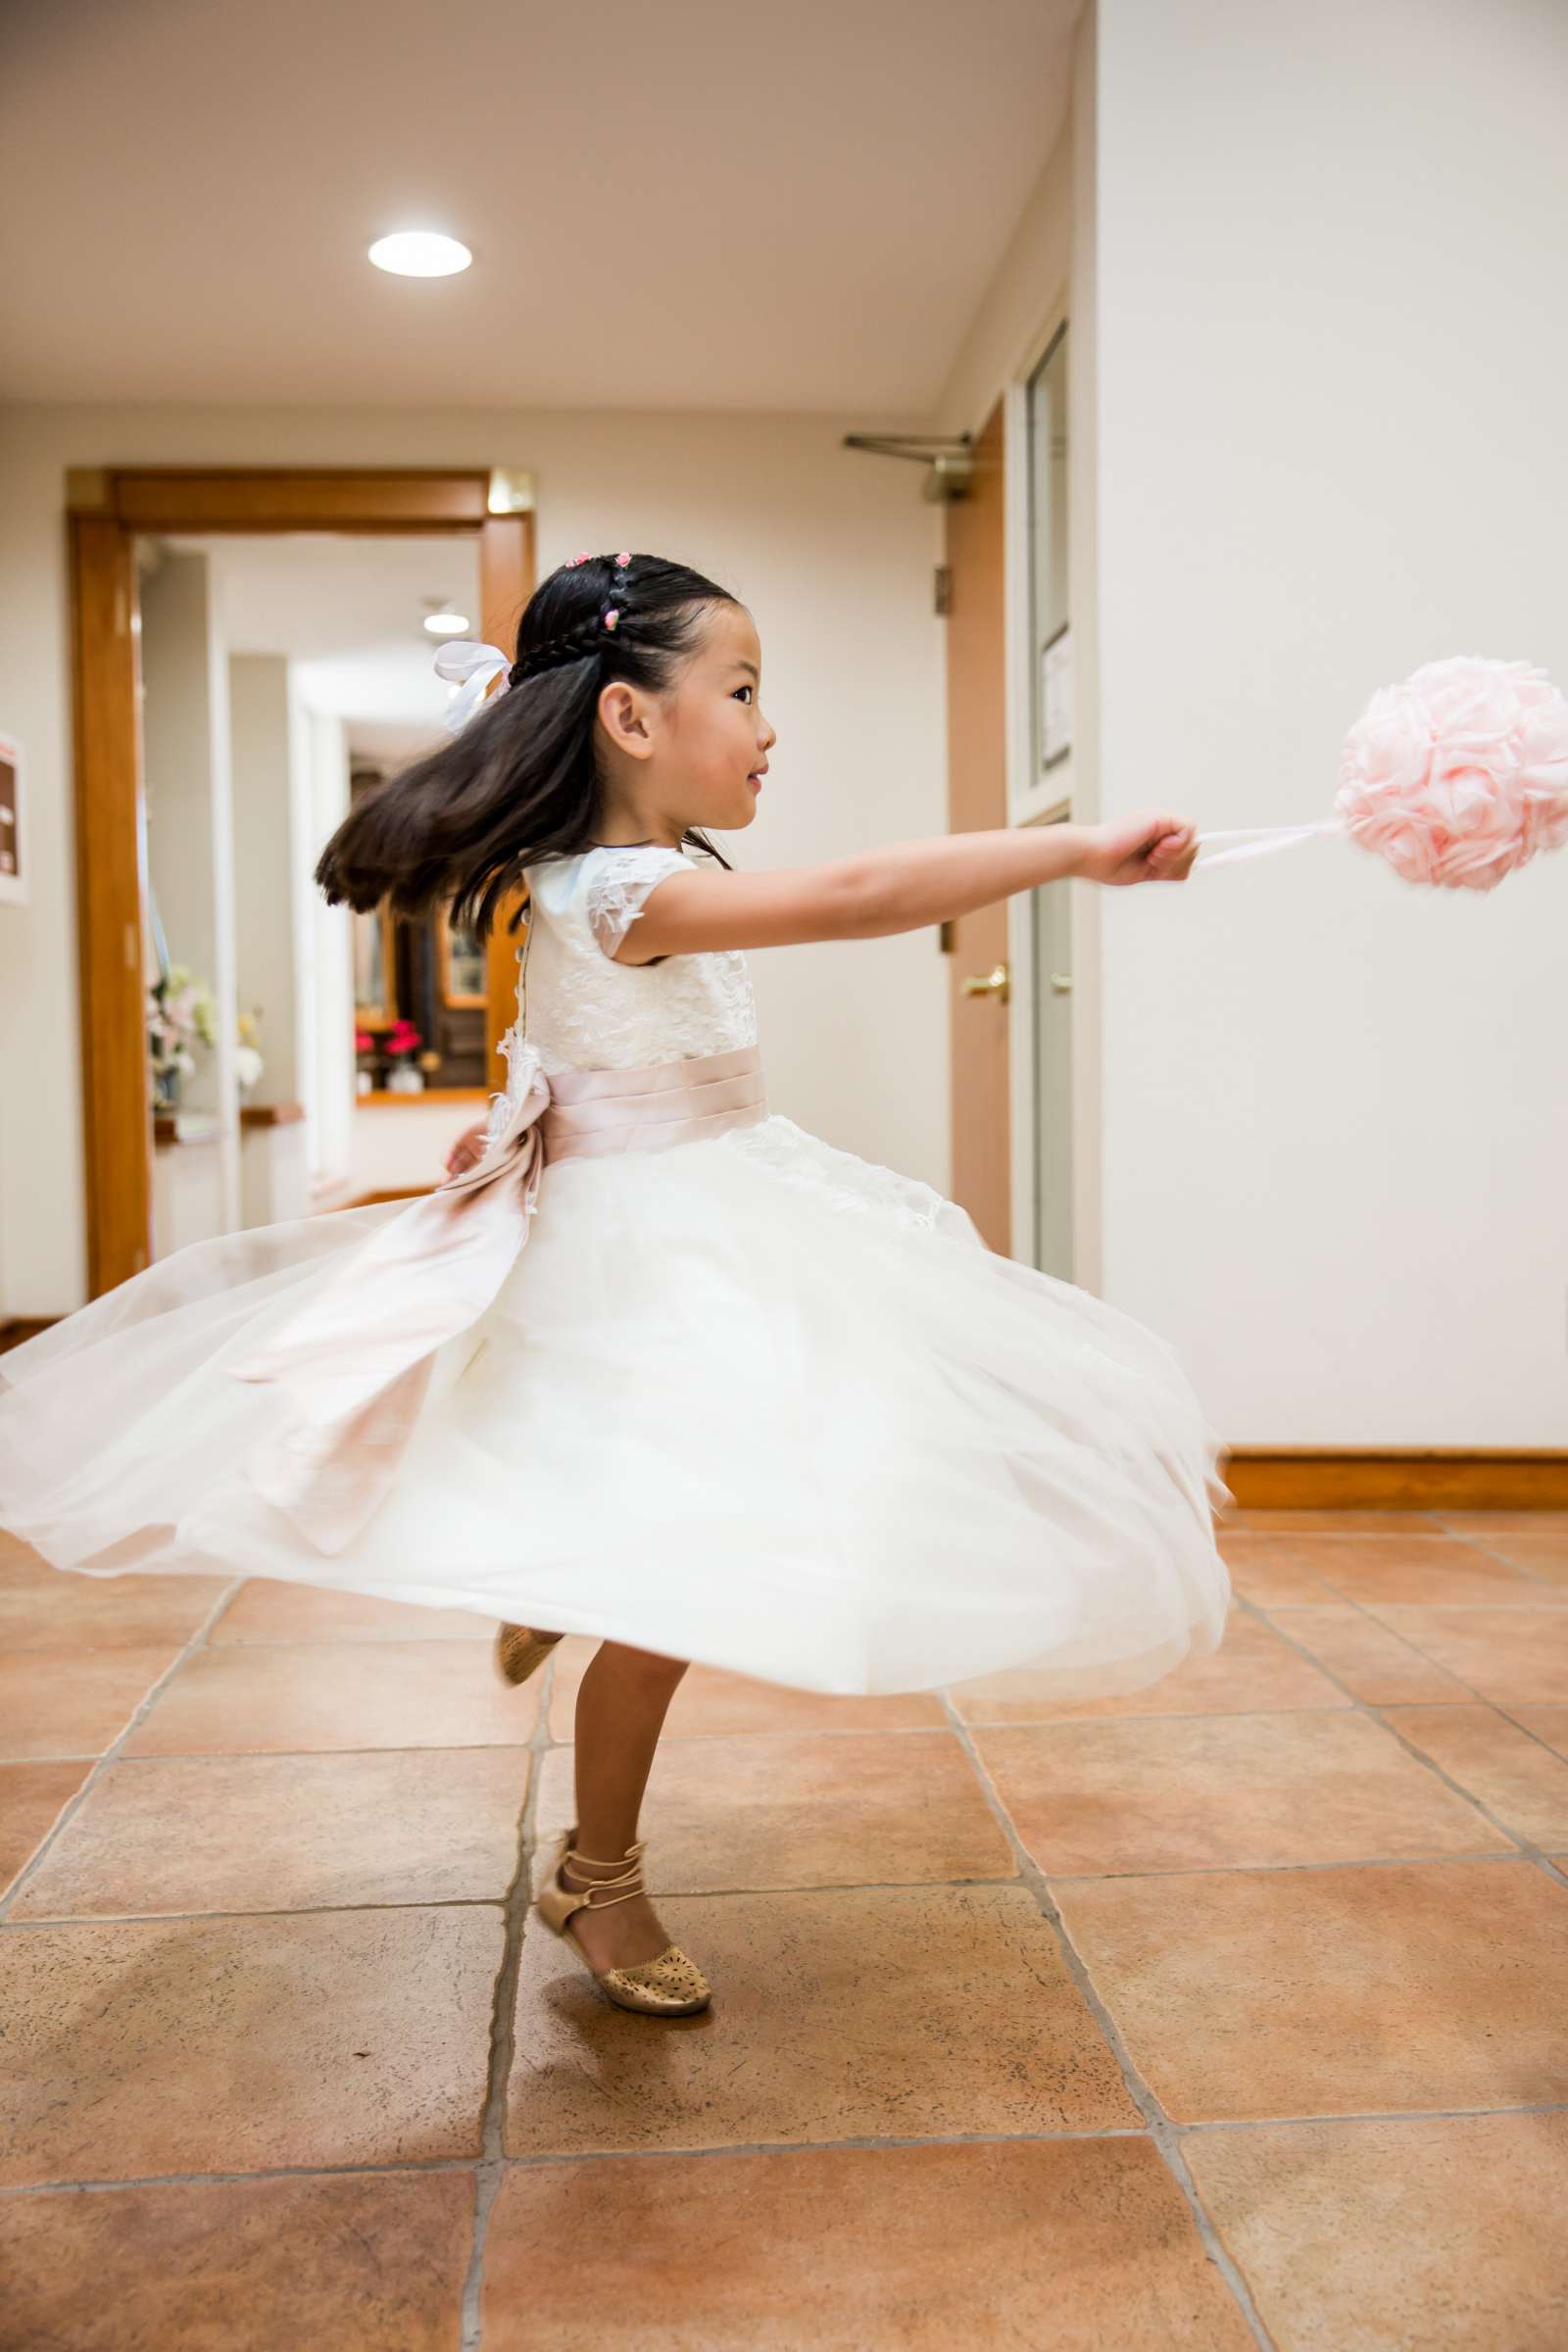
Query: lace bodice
[[580, 1010]]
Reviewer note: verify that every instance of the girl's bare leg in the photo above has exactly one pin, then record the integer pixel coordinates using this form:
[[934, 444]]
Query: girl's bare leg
[[622, 1706]]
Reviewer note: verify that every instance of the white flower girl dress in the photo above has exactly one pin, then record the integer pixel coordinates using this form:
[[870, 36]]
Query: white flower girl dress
[[664, 1367]]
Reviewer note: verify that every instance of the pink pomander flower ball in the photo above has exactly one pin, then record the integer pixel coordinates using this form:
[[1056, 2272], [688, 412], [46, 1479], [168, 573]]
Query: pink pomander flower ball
[[1462, 773]]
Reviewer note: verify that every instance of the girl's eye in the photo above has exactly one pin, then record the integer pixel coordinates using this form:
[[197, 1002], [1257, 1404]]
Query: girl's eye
[[744, 689]]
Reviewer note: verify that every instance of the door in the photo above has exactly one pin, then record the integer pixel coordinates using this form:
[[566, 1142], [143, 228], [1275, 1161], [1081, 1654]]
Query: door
[[106, 509], [1050, 656], [977, 798]]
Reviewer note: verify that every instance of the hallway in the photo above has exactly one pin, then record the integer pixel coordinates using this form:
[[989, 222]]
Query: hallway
[[1229, 2013]]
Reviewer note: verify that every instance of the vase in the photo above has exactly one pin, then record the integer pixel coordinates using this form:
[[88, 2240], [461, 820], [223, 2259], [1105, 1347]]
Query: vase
[[166, 1089], [404, 1079]]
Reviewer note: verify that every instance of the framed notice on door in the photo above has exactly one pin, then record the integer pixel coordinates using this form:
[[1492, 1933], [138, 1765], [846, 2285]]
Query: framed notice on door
[[14, 880]]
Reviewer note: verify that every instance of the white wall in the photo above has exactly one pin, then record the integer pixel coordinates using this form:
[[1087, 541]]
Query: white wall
[[265, 861], [190, 864], [330, 1114], [1332, 356], [1029, 279], [831, 550], [403, 1145]]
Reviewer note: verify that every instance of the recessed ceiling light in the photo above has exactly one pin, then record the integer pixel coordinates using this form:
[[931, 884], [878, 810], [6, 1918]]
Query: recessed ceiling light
[[447, 624], [420, 253]]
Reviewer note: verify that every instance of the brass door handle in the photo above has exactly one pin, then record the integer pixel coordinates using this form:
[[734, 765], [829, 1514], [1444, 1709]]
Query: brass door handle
[[996, 982]]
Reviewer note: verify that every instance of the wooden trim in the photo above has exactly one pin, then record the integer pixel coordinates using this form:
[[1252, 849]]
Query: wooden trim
[[380, 1095], [242, 498], [270, 1114], [1412, 1478], [110, 890], [17, 1328], [106, 506], [170, 1128]]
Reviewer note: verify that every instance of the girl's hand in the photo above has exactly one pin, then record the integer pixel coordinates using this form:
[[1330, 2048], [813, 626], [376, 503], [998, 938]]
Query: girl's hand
[[1151, 846], [468, 1148]]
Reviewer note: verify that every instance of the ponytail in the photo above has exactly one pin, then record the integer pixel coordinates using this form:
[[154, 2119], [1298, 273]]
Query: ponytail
[[521, 783]]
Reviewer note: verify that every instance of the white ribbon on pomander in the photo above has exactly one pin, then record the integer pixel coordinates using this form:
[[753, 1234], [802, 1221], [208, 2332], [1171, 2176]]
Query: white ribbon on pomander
[[464, 662], [1262, 840]]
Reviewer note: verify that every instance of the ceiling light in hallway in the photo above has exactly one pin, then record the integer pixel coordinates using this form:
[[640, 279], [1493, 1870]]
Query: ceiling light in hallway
[[447, 623], [420, 253]]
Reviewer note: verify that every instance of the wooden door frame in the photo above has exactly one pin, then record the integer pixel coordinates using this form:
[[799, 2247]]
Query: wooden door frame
[[105, 510]]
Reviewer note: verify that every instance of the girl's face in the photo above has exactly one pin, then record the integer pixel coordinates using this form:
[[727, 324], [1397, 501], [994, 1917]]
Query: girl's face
[[710, 754]]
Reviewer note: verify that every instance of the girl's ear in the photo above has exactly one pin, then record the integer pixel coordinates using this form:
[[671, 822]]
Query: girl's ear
[[624, 716]]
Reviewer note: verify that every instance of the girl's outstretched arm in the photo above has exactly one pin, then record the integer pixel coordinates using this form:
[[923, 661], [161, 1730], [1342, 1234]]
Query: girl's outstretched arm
[[902, 887]]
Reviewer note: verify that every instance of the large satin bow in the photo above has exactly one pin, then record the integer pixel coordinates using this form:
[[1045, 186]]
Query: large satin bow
[[355, 1362], [464, 662]]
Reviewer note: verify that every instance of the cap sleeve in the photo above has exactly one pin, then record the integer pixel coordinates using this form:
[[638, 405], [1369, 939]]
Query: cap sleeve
[[619, 880]]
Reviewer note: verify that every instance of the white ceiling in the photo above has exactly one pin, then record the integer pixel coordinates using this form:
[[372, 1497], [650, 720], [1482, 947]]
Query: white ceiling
[[689, 205], [349, 614]]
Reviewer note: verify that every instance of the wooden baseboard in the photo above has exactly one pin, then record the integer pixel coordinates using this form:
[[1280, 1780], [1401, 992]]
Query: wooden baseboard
[[17, 1327], [1415, 1478]]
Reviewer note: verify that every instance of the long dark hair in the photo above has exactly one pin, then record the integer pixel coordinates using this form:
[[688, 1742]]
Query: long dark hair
[[520, 782]]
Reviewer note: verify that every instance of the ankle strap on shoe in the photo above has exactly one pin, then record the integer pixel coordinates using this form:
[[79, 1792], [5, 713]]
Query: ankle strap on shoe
[[571, 1854], [631, 1879]]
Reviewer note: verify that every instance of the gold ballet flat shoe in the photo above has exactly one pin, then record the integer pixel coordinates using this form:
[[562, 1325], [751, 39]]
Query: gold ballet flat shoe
[[519, 1650], [668, 1985]]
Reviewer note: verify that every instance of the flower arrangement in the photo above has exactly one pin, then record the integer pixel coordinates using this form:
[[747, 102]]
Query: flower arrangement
[[387, 1057], [400, 1041], [180, 1015], [399, 1045]]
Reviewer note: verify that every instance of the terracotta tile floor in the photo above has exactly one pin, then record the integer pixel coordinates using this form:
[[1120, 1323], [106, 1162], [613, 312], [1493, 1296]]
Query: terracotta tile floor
[[1225, 2014]]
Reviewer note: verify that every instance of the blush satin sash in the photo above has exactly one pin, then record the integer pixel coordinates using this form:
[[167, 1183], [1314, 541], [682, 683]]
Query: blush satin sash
[[355, 1361]]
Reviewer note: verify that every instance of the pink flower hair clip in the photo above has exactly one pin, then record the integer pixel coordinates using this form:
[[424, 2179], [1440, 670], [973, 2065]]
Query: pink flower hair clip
[[611, 613], [609, 617]]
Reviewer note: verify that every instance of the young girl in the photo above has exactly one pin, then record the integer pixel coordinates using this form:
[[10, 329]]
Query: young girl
[[652, 1364]]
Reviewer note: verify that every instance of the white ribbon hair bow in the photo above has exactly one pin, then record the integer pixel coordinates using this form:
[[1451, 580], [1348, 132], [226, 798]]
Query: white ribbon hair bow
[[465, 662]]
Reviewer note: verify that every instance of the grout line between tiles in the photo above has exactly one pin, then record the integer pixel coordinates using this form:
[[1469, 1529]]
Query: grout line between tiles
[[706, 1894], [235, 1755], [999, 1723], [1528, 1849], [1490, 1552], [109, 1755], [1506, 1712], [397, 2169], [401, 2168], [1369, 2115], [491, 2168], [1165, 2137], [262, 1755]]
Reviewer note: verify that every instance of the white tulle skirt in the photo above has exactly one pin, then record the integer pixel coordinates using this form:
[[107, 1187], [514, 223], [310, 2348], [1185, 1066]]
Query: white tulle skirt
[[750, 1402]]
